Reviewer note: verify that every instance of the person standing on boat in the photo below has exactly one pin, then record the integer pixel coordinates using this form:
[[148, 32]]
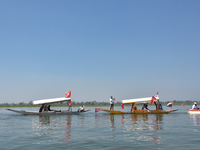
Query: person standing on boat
[[112, 103], [195, 106]]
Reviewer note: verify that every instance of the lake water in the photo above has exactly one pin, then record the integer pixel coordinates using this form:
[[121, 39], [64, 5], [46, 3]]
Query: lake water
[[91, 130]]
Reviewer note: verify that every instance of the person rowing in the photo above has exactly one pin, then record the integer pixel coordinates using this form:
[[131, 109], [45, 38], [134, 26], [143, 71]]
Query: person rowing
[[195, 106], [81, 109]]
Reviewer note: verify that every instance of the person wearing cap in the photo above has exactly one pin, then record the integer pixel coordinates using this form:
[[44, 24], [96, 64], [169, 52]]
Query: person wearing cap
[[195, 106]]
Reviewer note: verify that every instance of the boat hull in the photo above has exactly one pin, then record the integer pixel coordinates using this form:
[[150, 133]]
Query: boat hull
[[62, 112], [192, 111], [140, 111]]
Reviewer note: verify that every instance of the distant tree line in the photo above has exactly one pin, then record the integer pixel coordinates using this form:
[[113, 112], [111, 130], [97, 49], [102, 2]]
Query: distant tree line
[[89, 103]]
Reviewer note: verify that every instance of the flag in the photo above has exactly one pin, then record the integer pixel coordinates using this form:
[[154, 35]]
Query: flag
[[122, 106], [70, 103], [68, 94], [152, 100], [98, 109]]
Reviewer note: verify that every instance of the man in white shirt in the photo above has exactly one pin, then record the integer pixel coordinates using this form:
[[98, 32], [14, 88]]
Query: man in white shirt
[[195, 106], [112, 103], [81, 109]]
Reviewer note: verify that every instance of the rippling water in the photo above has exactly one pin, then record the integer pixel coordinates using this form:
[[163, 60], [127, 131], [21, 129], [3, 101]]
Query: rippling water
[[91, 130]]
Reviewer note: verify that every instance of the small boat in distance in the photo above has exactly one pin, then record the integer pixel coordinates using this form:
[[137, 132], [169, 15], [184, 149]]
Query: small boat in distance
[[45, 109], [134, 109]]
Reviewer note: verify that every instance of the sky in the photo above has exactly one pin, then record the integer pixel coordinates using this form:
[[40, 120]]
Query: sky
[[97, 49]]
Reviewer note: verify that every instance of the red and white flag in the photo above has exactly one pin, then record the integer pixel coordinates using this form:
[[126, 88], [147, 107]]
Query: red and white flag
[[68, 94], [152, 100], [98, 109]]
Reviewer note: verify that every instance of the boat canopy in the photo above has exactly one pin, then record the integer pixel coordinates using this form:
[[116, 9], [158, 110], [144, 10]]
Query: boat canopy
[[49, 101], [138, 100]]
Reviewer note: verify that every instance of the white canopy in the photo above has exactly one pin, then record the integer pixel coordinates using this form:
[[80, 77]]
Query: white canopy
[[53, 100], [138, 100]]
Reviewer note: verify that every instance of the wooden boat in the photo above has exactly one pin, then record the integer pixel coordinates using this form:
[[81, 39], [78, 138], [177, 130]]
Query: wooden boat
[[61, 112], [134, 109], [193, 111], [44, 111], [140, 111]]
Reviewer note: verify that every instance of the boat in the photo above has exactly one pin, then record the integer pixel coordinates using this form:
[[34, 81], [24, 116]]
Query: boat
[[61, 112], [193, 111], [46, 102], [134, 109]]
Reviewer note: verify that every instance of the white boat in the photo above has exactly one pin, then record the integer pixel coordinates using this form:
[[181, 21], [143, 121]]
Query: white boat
[[44, 111], [193, 111]]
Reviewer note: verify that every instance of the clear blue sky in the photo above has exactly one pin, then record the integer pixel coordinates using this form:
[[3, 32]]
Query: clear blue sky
[[127, 49]]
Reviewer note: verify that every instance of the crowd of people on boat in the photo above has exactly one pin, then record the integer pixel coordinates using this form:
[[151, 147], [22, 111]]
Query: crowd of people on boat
[[133, 108], [47, 108]]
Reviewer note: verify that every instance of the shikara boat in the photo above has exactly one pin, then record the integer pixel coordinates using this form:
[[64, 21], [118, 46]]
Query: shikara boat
[[193, 111], [139, 111], [61, 112], [44, 109], [134, 109]]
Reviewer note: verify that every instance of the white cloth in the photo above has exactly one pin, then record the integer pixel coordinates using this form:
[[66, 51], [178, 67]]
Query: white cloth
[[194, 106], [112, 101], [82, 108]]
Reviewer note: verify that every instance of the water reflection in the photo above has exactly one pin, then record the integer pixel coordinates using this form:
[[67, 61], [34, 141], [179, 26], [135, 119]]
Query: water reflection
[[196, 121], [112, 121], [142, 127], [81, 119], [68, 128], [44, 120], [53, 128]]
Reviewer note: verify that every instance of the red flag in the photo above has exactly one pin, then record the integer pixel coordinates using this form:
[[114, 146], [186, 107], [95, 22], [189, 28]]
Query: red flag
[[70, 103], [171, 102], [122, 106], [98, 109], [152, 100], [68, 94]]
